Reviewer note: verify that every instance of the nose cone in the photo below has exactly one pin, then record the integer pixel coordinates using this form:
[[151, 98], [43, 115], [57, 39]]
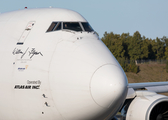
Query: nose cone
[[108, 86]]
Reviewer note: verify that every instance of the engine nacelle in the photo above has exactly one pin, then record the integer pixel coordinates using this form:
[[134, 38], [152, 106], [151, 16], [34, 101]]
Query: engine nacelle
[[147, 106]]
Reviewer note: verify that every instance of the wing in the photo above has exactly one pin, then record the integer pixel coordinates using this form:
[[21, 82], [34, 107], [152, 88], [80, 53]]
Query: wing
[[158, 87]]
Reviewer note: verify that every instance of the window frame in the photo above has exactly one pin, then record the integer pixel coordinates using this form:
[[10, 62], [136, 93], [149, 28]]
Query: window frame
[[62, 26]]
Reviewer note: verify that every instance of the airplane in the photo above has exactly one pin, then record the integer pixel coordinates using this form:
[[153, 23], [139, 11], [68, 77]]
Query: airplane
[[55, 67]]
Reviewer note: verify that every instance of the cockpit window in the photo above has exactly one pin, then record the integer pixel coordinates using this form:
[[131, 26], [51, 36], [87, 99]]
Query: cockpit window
[[75, 26], [87, 27], [57, 27], [72, 26], [54, 26]]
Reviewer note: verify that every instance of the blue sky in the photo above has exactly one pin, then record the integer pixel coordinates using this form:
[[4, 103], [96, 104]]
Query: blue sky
[[149, 17]]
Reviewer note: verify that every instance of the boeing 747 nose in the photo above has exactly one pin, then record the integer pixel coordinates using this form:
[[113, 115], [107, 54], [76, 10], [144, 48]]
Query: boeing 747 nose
[[109, 87], [73, 74]]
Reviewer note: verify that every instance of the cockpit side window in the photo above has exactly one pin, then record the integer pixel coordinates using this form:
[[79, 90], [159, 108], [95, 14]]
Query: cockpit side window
[[72, 26], [52, 26], [57, 27], [87, 27]]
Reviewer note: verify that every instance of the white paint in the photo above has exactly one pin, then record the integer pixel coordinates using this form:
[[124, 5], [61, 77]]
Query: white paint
[[78, 79]]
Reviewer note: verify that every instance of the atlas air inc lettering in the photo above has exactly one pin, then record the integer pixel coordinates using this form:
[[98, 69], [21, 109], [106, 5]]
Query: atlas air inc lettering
[[30, 85], [27, 87]]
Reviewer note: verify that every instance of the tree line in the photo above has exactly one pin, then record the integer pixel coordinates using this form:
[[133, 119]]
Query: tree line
[[136, 47]]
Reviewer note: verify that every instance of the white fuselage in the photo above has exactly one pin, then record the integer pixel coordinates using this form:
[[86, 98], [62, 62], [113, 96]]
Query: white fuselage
[[56, 75]]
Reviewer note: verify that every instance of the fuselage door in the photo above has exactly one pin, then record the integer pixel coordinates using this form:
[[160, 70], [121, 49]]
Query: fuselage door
[[26, 33]]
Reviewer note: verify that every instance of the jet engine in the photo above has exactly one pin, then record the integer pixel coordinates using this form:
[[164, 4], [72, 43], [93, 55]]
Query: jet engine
[[146, 106]]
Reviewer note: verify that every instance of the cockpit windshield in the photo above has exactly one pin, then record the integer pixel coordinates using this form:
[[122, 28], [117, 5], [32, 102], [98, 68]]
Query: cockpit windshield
[[74, 26]]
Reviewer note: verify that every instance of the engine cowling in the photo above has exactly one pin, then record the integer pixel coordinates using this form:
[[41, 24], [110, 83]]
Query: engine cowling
[[146, 106]]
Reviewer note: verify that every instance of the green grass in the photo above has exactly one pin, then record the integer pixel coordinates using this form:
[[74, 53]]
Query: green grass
[[149, 73]]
